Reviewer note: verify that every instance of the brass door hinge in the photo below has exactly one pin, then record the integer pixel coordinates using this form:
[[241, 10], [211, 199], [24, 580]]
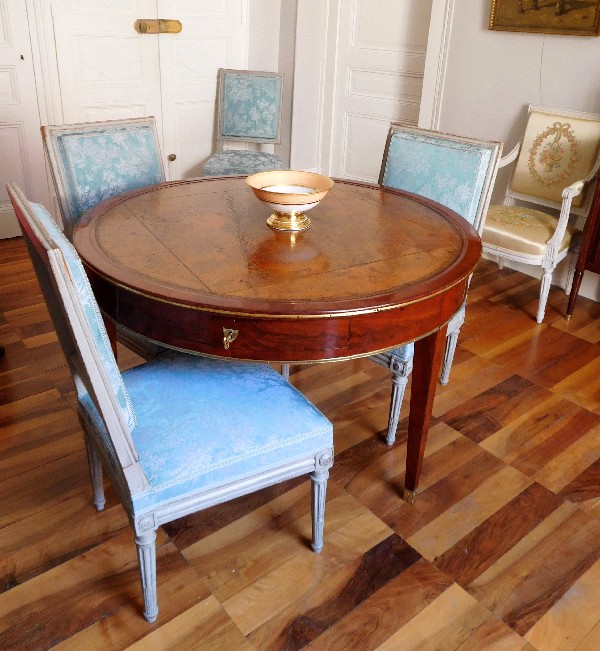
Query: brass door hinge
[[157, 26]]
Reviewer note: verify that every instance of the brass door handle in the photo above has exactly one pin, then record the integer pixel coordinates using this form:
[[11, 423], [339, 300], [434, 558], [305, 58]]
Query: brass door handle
[[157, 26], [171, 157]]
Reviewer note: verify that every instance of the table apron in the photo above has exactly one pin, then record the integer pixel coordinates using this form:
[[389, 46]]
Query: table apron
[[285, 338]]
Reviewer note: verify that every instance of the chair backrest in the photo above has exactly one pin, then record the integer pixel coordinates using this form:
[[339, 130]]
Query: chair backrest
[[249, 106], [81, 332], [92, 161], [455, 171], [558, 148]]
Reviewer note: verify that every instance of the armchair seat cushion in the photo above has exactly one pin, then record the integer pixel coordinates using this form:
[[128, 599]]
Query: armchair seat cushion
[[187, 442], [522, 230], [232, 162]]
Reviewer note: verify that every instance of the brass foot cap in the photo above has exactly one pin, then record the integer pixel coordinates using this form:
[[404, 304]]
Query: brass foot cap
[[409, 496]]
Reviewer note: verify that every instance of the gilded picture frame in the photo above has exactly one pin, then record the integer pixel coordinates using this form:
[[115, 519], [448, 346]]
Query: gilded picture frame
[[575, 17]]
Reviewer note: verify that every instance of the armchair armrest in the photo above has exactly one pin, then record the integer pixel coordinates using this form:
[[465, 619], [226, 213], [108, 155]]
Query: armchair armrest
[[510, 157], [593, 171], [568, 194]]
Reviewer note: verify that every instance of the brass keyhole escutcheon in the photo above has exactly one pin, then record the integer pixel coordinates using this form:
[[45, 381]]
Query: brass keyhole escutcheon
[[229, 335], [172, 157]]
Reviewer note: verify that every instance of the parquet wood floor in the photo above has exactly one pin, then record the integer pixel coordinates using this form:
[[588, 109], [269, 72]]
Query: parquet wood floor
[[501, 550]]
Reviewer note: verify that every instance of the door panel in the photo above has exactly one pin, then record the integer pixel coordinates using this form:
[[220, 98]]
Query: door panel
[[109, 71], [106, 69], [213, 37], [22, 159], [379, 67]]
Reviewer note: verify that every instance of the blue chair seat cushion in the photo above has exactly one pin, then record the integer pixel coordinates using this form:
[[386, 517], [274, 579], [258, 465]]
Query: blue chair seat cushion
[[229, 163], [204, 423], [403, 353]]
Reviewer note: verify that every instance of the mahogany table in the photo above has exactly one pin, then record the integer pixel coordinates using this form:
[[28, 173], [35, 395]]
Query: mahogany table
[[589, 254], [193, 265]]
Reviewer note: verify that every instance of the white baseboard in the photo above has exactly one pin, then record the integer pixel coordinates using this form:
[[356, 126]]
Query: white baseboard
[[9, 226]]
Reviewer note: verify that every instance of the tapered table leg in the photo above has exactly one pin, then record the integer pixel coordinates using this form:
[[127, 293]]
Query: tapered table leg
[[429, 353], [574, 292]]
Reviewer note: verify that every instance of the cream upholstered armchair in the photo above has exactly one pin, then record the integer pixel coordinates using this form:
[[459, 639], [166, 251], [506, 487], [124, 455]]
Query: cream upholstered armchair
[[556, 162], [457, 172], [95, 160], [248, 110], [182, 432]]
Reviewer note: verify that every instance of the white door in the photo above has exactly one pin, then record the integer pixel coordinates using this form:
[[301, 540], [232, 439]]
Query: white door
[[379, 66], [213, 36], [107, 70], [21, 154]]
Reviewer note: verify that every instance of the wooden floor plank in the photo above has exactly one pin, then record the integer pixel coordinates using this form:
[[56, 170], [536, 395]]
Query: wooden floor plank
[[332, 600], [571, 619], [490, 410], [88, 587], [535, 573], [38, 543], [287, 582], [205, 621], [444, 624], [178, 593], [42, 487], [384, 612], [494, 492], [487, 543]]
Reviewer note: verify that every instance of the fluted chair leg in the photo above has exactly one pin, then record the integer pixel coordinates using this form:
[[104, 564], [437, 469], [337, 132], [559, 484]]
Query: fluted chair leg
[[401, 371], [285, 371], [544, 292], [95, 466], [451, 341], [319, 494], [146, 547]]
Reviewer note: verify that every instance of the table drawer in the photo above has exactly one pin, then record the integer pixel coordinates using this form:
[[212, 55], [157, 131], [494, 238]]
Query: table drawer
[[286, 339]]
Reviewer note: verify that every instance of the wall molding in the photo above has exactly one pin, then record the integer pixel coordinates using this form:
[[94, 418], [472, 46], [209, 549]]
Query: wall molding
[[317, 23], [436, 60]]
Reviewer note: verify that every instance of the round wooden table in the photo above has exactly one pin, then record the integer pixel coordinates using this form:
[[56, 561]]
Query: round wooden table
[[193, 265]]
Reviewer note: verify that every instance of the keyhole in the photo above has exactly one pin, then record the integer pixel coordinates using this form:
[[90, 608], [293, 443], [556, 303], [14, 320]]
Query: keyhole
[[22, 58]]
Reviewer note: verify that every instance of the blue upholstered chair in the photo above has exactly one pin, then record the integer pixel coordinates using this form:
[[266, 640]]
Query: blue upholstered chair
[[180, 433], [95, 160], [248, 110], [92, 161], [456, 172]]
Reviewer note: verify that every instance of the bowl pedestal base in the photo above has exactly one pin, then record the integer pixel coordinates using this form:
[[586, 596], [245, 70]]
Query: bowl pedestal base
[[292, 221]]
